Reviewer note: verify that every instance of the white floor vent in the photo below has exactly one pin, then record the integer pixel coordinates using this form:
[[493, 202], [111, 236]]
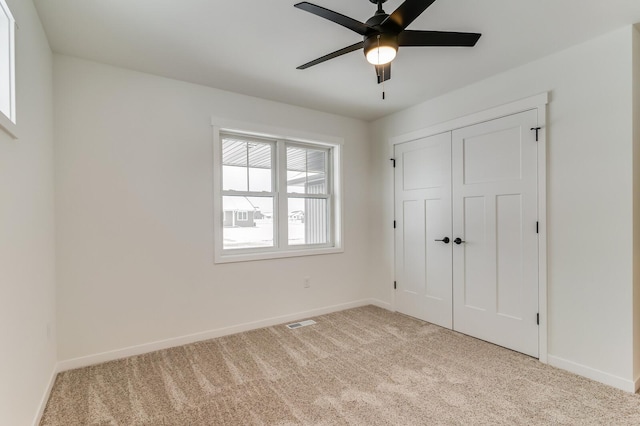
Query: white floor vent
[[300, 324]]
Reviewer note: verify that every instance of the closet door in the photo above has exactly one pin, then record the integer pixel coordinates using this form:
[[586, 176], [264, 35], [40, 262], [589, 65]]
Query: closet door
[[423, 216], [495, 265]]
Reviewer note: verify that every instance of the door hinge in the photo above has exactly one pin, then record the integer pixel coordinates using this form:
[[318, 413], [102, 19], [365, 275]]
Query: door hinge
[[395, 285], [537, 129], [537, 227], [393, 160], [394, 224], [538, 319]]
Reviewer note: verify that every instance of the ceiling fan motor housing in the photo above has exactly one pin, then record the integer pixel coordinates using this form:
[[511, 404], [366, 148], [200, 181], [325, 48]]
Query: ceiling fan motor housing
[[380, 39]]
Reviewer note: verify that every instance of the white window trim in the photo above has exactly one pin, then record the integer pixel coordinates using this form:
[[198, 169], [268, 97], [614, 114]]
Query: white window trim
[[8, 126], [222, 125], [8, 123]]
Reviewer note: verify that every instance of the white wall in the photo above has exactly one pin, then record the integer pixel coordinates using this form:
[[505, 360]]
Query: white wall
[[590, 211], [134, 213], [636, 205], [27, 293]]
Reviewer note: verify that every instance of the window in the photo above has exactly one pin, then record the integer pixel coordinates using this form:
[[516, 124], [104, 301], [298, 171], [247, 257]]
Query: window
[[276, 197], [7, 68], [308, 197]]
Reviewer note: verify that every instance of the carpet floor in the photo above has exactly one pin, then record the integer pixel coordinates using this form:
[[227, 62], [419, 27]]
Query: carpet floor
[[363, 366]]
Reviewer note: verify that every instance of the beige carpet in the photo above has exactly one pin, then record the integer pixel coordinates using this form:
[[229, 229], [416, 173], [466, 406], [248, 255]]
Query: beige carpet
[[363, 366]]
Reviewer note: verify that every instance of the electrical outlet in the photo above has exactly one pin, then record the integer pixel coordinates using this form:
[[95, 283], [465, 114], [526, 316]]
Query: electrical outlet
[[307, 282]]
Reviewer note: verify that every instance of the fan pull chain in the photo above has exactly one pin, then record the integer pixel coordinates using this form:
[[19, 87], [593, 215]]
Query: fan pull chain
[[379, 5]]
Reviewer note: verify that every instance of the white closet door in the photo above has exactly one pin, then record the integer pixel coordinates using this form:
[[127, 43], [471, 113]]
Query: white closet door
[[495, 269], [423, 215]]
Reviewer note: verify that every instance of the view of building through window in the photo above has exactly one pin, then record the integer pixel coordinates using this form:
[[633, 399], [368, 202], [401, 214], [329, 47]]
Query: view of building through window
[[307, 174], [250, 182]]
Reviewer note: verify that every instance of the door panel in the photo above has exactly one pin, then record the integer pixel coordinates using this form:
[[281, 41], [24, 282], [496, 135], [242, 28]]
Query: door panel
[[413, 247], [509, 265], [423, 215], [495, 278], [423, 168], [481, 164], [477, 285]]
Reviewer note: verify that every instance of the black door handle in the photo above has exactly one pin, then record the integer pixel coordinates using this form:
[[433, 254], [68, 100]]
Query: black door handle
[[458, 241], [444, 240]]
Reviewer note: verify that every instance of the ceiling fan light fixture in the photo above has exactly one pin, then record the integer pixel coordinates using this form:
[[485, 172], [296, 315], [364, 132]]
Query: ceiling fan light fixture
[[381, 55], [380, 49]]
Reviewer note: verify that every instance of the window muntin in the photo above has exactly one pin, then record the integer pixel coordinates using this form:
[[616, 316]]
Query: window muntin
[[277, 196], [7, 62]]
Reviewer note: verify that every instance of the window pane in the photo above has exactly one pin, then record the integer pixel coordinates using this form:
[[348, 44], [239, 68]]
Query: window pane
[[246, 165], [247, 222], [234, 178], [306, 170], [308, 221], [259, 166], [234, 165]]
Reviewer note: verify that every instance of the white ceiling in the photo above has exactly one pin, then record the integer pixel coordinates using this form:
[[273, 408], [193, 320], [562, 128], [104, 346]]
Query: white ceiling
[[254, 46]]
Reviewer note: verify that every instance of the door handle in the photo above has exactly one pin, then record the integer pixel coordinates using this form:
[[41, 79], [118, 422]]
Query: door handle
[[458, 241], [444, 240]]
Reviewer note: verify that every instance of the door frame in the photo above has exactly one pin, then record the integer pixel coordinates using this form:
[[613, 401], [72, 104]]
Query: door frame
[[538, 103]]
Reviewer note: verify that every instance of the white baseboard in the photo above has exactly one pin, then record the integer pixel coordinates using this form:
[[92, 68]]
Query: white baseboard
[[45, 396], [98, 358], [593, 374], [380, 304]]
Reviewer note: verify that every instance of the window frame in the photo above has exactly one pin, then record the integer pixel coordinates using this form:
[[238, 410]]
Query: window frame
[[8, 122], [281, 138]]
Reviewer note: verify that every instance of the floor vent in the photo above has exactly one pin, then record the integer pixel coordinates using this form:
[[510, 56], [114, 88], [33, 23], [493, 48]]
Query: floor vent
[[300, 324]]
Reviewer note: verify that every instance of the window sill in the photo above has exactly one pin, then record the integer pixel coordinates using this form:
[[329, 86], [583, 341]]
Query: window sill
[[8, 126], [246, 257]]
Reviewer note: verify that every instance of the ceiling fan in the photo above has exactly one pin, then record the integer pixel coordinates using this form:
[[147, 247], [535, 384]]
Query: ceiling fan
[[383, 34]]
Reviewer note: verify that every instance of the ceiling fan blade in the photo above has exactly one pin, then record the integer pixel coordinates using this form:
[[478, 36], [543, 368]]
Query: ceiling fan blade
[[383, 72], [437, 38], [345, 21], [406, 13], [335, 54]]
